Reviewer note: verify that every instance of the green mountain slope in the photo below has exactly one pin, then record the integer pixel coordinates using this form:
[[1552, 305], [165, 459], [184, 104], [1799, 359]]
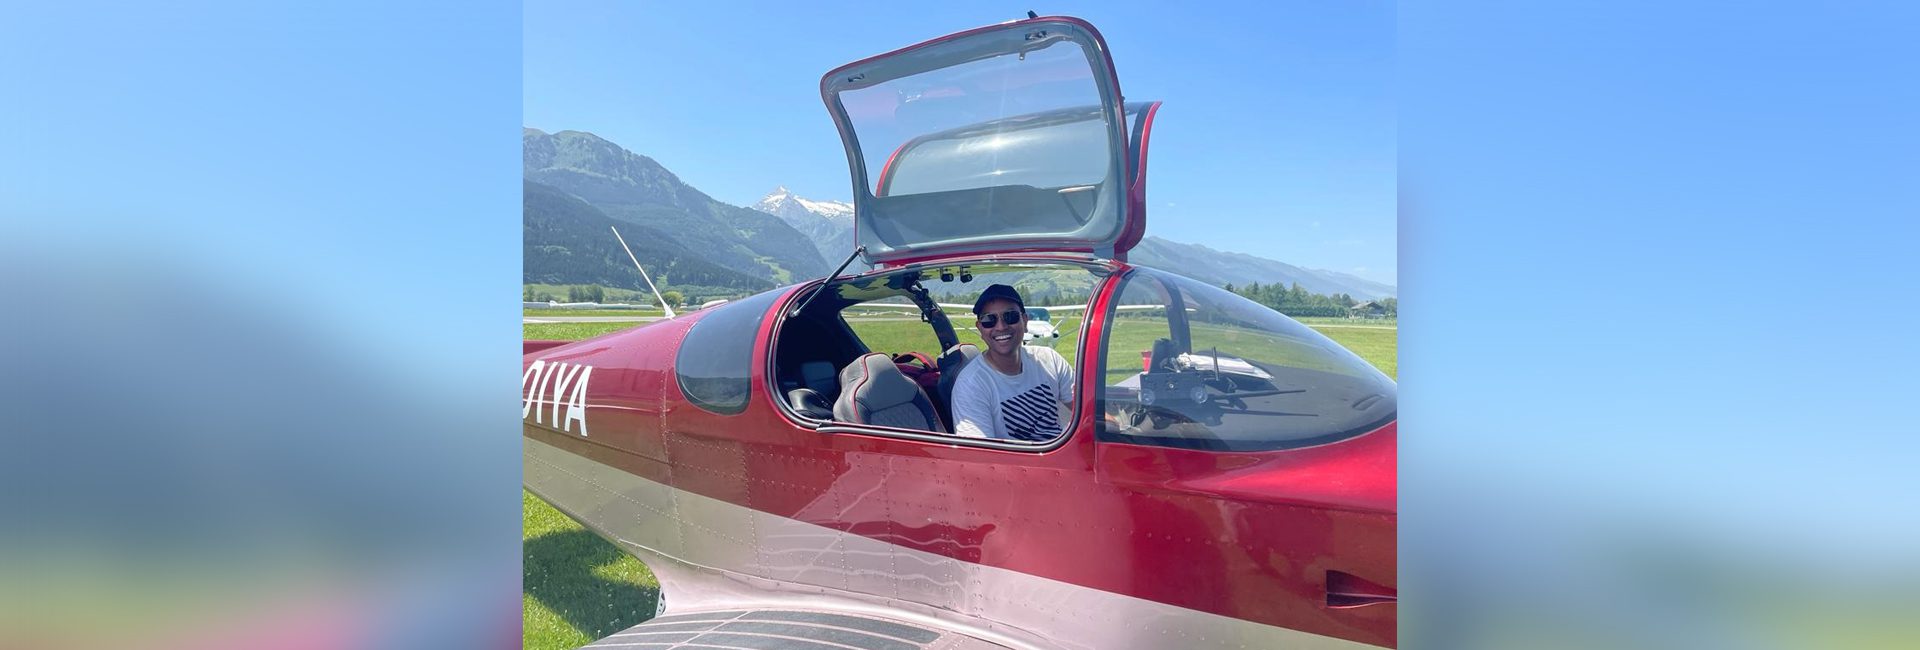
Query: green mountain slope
[[567, 241], [635, 189]]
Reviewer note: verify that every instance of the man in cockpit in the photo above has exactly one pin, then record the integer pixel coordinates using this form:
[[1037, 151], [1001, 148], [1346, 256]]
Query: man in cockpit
[[1011, 391]]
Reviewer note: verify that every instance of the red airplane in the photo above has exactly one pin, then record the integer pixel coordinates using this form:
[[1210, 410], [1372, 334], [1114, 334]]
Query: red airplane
[[1224, 477]]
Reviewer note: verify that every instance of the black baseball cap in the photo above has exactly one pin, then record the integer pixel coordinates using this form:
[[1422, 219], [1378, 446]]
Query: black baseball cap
[[998, 291]]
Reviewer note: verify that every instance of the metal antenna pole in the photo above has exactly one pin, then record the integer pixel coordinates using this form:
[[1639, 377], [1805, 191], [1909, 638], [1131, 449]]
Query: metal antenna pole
[[643, 271]]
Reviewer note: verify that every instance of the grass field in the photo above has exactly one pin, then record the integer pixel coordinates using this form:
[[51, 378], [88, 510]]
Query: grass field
[[1378, 345], [575, 586], [558, 293], [1388, 323], [570, 331], [579, 587], [536, 313]]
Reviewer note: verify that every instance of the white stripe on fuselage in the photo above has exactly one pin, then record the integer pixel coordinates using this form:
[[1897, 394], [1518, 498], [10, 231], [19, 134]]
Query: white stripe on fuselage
[[710, 554]]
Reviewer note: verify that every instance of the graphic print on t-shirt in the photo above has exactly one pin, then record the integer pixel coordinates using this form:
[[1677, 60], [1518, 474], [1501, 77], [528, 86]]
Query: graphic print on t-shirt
[[1031, 415]]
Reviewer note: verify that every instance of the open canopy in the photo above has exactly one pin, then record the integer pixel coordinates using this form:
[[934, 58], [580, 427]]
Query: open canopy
[[1004, 138]]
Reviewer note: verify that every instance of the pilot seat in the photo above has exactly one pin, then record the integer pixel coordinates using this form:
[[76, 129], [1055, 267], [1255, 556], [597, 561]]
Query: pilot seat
[[950, 363], [874, 391]]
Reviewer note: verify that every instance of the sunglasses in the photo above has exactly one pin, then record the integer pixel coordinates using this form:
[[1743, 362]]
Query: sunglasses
[[989, 321]]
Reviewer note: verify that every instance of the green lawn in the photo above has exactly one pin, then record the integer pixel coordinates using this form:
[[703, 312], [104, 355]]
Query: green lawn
[[575, 586], [1378, 345], [579, 587], [652, 311], [1350, 322], [569, 331]]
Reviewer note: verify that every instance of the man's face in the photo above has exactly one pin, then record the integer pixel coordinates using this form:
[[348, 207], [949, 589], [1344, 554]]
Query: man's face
[[1002, 338]]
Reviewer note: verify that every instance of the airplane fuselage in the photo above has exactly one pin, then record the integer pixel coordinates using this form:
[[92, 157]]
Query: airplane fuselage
[[1093, 543]]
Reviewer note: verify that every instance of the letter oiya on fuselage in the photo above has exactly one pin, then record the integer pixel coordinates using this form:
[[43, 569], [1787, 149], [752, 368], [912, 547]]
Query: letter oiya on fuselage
[[545, 387]]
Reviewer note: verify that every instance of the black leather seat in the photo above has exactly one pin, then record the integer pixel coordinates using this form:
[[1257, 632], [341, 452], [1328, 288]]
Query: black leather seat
[[950, 363], [874, 391], [1163, 356], [809, 403]]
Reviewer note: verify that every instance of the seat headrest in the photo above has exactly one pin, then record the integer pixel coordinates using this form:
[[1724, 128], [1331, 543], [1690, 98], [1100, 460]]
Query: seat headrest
[[872, 384], [957, 356], [1162, 355]]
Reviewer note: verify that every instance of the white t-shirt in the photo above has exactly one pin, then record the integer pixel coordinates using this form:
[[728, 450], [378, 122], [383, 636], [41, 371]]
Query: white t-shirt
[[990, 404]]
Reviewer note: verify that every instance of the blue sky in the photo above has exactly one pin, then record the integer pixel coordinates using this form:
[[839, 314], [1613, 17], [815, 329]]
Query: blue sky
[[1277, 137]]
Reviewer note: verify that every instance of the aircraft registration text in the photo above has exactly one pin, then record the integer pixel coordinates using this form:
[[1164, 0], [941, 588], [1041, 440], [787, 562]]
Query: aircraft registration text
[[546, 387]]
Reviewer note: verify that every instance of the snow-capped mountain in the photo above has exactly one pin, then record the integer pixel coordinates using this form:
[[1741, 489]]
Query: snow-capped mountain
[[828, 224], [783, 203]]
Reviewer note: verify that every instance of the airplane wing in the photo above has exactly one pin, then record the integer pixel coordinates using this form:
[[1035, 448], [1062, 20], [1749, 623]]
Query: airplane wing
[[787, 629]]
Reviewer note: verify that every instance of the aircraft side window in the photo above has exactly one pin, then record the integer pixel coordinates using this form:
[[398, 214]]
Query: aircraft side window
[[1195, 366], [892, 328], [715, 361], [878, 318]]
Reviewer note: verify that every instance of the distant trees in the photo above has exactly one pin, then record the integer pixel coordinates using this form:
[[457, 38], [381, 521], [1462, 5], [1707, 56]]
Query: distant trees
[[535, 293], [673, 298], [1295, 300], [586, 293]]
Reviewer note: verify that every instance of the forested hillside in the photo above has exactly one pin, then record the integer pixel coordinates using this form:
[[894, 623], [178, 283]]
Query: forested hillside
[[568, 241]]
